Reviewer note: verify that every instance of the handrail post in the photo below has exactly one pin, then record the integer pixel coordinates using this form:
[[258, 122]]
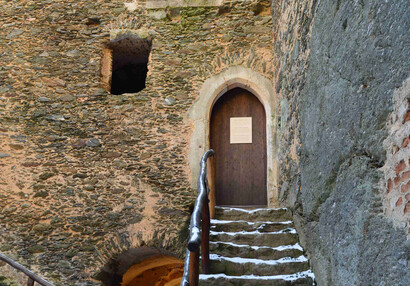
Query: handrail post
[[198, 230], [30, 282], [194, 268], [205, 238]]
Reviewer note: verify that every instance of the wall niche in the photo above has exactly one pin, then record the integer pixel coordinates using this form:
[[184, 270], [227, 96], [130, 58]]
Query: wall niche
[[124, 64]]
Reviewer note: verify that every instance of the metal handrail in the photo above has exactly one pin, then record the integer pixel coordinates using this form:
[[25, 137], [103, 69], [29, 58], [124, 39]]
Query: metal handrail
[[198, 230], [31, 276]]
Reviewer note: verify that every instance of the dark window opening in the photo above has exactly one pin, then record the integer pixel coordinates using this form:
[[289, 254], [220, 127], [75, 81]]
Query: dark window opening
[[129, 64], [129, 78]]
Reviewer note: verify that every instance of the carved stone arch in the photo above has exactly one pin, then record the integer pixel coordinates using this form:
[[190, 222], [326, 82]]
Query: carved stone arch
[[200, 113]]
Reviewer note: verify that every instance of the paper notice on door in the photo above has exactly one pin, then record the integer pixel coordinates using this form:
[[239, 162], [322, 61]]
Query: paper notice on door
[[240, 130]]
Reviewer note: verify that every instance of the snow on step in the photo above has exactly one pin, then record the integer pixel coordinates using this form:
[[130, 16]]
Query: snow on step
[[249, 211], [252, 266], [230, 249], [257, 239], [219, 221], [300, 278], [242, 225], [217, 257], [288, 277], [280, 214], [255, 247], [257, 232], [278, 248]]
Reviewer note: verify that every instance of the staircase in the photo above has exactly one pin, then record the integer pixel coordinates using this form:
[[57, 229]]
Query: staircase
[[255, 247]]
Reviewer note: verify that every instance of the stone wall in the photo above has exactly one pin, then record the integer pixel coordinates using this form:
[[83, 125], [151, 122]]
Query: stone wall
[[339, 64], [86, 175]]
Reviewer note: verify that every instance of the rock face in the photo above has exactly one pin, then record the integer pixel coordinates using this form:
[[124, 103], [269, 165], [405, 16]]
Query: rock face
[[339, 69]]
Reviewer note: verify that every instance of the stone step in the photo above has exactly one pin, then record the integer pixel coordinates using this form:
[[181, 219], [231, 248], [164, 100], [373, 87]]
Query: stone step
[[304, 278], [262, 252], [255, 238], [237, 266], [241, 225], [272, 215], [255, 247]]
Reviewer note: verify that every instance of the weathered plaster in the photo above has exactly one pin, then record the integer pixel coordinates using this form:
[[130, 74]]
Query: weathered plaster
[[200, 113], [395, 182]]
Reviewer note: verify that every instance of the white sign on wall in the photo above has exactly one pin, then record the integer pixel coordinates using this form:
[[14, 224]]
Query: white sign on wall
[[240, 130]]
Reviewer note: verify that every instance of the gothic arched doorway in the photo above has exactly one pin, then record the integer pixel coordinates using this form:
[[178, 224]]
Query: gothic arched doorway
[[238, 136]]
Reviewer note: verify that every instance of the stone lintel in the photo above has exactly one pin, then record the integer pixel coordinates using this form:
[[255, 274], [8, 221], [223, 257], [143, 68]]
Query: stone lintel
[[157, 4]]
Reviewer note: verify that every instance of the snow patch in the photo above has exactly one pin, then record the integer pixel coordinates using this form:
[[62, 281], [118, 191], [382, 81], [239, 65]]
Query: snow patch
[[249, 211], [217, 221], [277, 248], [241, 260], [289, 277], [286, 230]]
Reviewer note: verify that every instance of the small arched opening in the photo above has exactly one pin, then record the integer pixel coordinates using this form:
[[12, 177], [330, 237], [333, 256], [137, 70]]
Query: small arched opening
[[159, 270], [144, 266]]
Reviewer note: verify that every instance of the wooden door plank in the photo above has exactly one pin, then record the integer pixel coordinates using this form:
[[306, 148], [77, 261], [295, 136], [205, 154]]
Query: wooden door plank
[[240, 169]]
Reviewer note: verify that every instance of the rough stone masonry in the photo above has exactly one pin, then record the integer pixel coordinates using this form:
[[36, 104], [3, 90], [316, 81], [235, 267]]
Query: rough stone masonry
[[87, 175]]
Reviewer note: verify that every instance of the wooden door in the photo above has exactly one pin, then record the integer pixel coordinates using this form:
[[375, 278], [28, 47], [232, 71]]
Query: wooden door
[[239, 169]]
